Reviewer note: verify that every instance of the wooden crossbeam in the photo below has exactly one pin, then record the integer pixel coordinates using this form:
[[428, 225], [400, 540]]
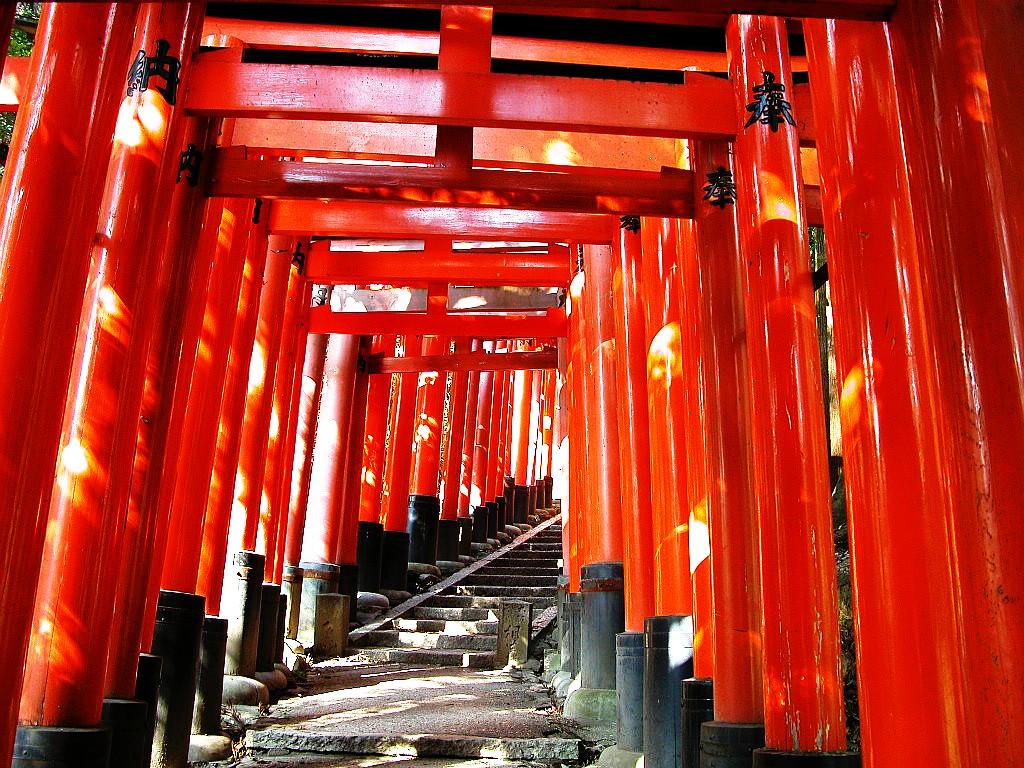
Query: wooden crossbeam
[[668, 194], [465, 361], [865, 10], [437, 264], [702, 108], [350, 218], [549, 324]]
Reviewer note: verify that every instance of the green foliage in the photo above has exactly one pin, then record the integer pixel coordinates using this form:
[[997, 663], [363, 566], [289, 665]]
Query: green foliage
[[22, 39]]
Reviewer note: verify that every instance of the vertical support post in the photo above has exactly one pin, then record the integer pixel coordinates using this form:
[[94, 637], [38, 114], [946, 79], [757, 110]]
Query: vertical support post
[[692, 358], [221, 528], [212, 320], [259, 532], [371, 527], [633, 416], [302, 467], [467, 455], [666, 406], [174, 248], [574, 542], [481, 445], [803, 695], [88, 504], [602, 445], [398, 459], [285, 413], [448, 526], [735, 572], [79, 58]]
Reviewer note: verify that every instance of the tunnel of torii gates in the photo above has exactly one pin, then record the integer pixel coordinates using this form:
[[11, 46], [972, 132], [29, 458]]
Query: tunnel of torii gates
[[193, 404]]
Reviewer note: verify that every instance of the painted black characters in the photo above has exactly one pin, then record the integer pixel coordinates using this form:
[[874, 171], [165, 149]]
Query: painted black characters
[[770, 106], [720, 190], [162, 66], [189, 162]]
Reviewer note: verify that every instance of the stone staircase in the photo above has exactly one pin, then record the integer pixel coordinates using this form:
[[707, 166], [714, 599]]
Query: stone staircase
[[456, 623]]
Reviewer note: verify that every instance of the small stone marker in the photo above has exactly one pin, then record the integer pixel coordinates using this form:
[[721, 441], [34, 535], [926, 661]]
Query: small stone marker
[[513, 634], [330, 625]]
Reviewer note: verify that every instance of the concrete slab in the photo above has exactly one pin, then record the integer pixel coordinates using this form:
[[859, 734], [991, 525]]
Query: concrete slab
[[407, 710]]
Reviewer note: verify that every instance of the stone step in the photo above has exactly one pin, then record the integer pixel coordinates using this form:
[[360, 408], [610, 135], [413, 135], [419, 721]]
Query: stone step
[[322, 740], [454, 614], [439, 625], [436, 657], [506, 580], [471, 601], [498, 570], [508, 592], [393, 638], [512, 561]]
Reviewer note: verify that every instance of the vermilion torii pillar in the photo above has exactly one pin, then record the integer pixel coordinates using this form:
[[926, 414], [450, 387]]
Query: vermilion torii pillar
[[211, 322], [803, 694], [90, 496], [220, 499], [302, 465], [522, 390], [398, 461], [371, 522], [448, 532], [468, 442], [574, 543], [928, 242], [260, 531], [81, 53], [692, 353], [424, 504], [479, 474], [324, 507], [285, 416], [735, 571], [633, 415], [666, 406]]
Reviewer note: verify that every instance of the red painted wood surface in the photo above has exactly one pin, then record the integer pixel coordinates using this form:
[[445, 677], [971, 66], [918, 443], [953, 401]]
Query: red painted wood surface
[[803, 695], [44, 262]]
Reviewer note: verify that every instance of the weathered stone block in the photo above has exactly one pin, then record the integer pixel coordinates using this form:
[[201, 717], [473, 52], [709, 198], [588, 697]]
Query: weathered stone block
[[330, 625], [513, 633]]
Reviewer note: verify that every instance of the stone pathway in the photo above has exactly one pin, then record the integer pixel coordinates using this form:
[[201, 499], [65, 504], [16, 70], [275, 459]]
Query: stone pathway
[[421, 691]]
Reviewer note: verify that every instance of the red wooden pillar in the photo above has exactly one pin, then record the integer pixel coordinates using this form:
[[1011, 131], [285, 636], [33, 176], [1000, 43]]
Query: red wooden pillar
[[456, 432], [604, 525], [259, 532], [547, 423], [345, 551], [481, 435], [175, 246], [430, 393], [692, 353], [469, 437], [377, 402], [803, 695], [74, 88], [666, 383], [634, 441], [522, 390], [90, 495], [219, 502], [302, 466], [324, 509], [960, 118], [735, 571], [399, 452], [496, 429], [536, 390], [214, 314], [574, 540], [285, 415]]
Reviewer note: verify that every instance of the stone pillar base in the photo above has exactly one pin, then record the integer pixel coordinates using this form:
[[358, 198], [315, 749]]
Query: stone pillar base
[[591, 706], [209, 748], [613, 757]]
